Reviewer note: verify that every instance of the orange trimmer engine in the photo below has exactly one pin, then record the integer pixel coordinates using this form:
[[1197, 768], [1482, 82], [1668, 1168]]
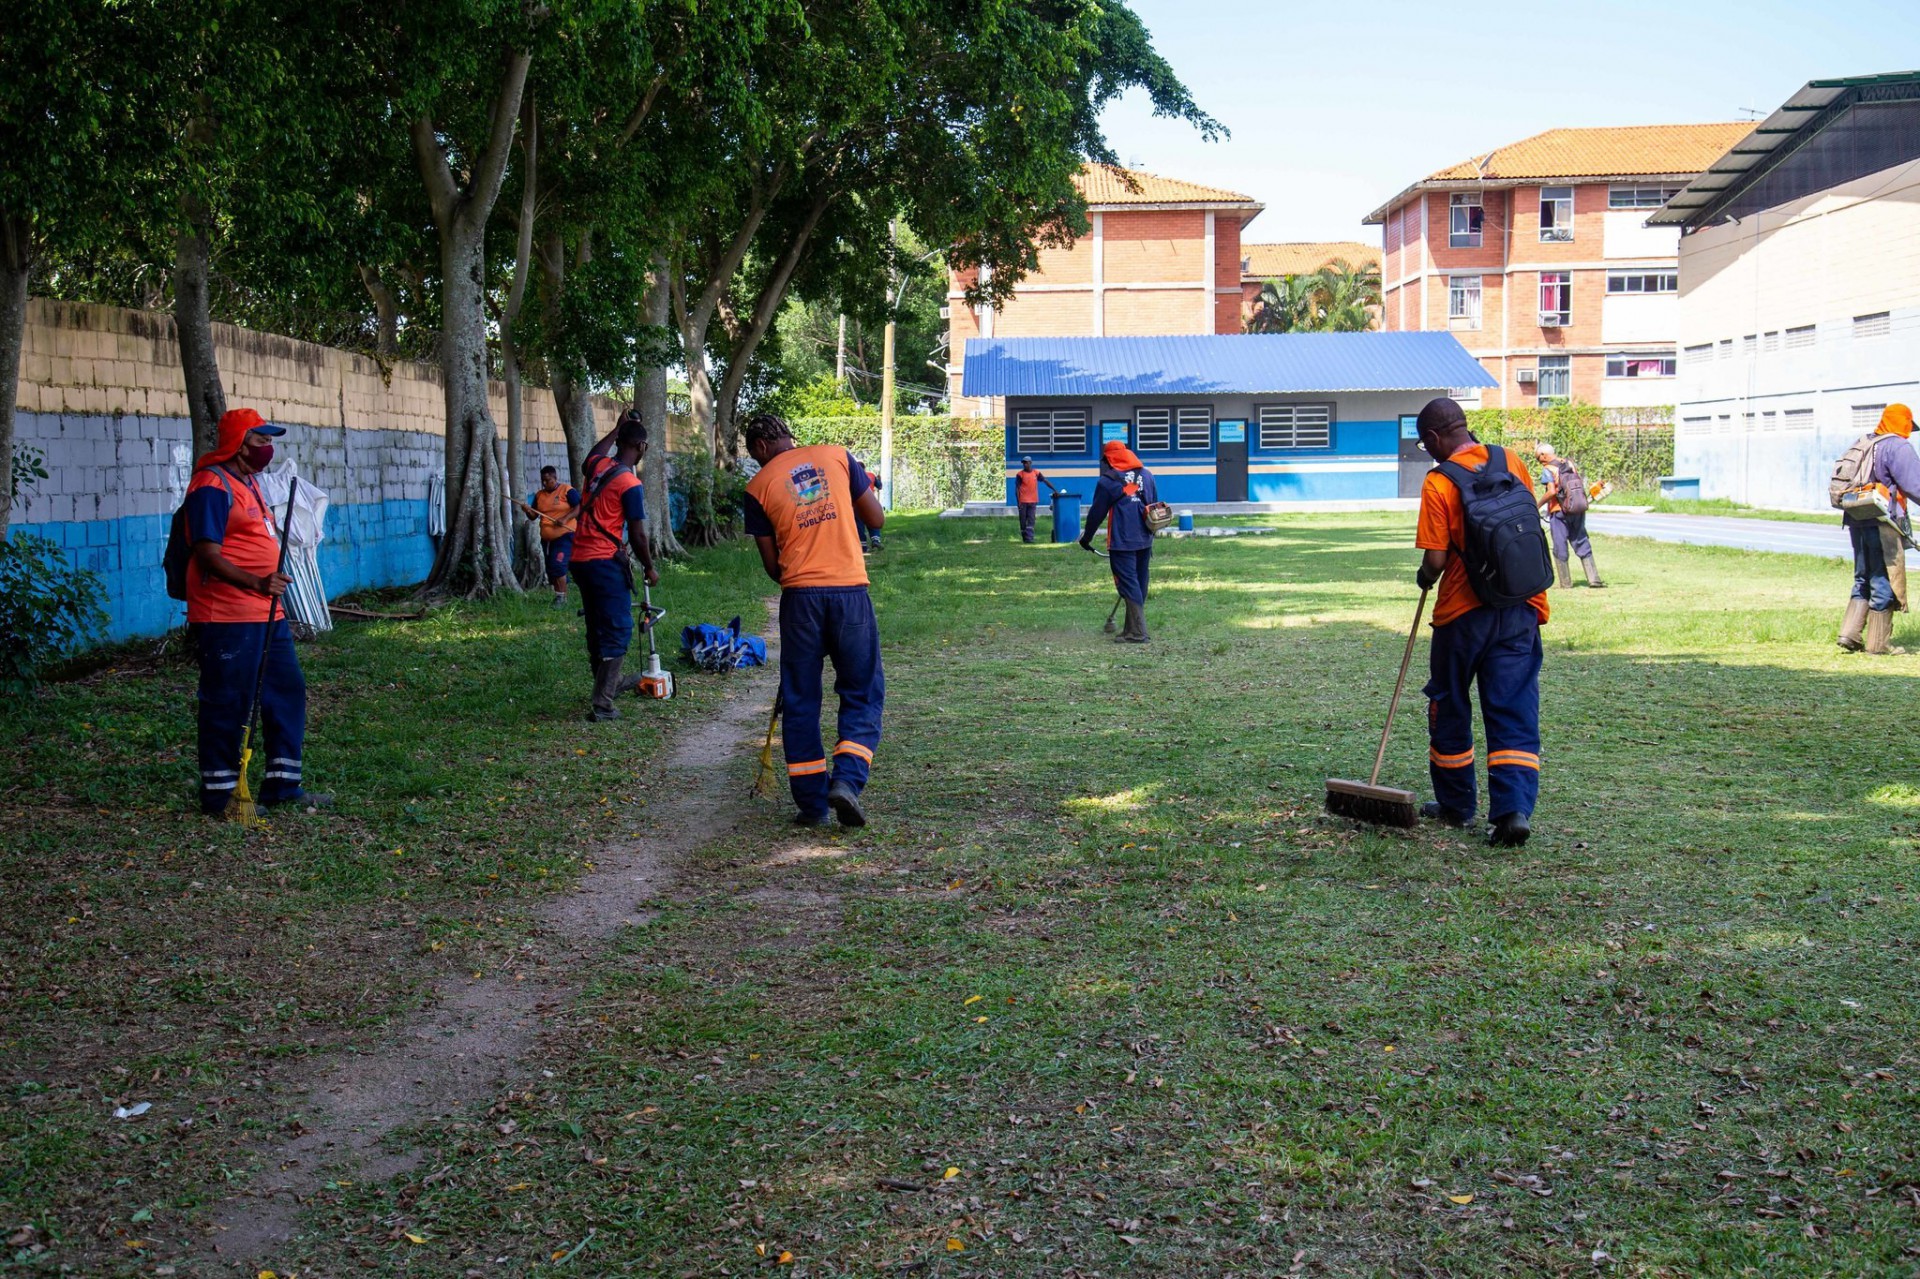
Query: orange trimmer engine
[[655, 683]]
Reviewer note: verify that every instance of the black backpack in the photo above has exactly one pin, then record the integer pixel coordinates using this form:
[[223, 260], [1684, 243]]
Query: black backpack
[[179, 552], [1504, 547]]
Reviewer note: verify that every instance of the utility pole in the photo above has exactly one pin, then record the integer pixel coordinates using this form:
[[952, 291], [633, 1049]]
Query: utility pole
[[840, 359], [886, 382]]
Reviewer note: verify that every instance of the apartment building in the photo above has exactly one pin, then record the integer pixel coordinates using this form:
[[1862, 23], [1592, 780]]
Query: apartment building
[[1276, 261], [1799, 306], [1538, 257], [1162, 257]]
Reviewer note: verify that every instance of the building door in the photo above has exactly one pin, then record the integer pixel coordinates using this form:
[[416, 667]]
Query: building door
[[1414, 462], [1230, 465]]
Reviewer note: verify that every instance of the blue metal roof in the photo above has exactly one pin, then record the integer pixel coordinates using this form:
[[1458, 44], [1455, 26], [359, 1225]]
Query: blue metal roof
[[1219, 364]]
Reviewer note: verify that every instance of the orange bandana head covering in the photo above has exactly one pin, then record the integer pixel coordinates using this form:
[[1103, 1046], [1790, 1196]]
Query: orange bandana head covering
[[1121, 458], [1896, 419]]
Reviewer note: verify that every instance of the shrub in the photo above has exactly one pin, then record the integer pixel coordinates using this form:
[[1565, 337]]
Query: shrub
[[49, 610], [1609, 444], [712, 497]]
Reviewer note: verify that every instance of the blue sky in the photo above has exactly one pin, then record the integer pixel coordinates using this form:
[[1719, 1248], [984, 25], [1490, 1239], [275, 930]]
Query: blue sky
[[1334, 107]]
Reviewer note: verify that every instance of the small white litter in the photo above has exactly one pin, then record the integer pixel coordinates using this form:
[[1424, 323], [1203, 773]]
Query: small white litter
[[133, 1111]]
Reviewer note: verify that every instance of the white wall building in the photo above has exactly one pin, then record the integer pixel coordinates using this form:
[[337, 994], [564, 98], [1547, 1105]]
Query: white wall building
[[1799, 304]]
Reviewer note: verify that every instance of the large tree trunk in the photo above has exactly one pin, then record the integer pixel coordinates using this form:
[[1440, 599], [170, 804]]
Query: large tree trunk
[[16, 265], [752, 330], [571, 395], [386, 312], [650, 397], [478, 547], [193, 324], [527, 536]]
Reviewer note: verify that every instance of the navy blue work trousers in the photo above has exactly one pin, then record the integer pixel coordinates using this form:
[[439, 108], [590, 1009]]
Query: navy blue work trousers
[[1130, 572], [820, 624], [229, 654], [1569, 529], [606, 598], [1499, 650]]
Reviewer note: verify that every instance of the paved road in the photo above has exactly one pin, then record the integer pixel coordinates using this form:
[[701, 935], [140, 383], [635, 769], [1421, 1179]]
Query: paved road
[[1826, 540]]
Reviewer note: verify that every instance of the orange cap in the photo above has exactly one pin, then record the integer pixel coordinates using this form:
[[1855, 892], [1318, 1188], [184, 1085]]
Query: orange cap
[[235, 426], [1896, 419]]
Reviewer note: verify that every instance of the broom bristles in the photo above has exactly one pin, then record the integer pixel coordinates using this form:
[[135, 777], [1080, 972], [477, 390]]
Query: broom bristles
[[241, 807], [1376, 805]]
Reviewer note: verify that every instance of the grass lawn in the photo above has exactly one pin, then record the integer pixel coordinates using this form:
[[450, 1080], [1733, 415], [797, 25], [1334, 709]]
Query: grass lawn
[[1101, 991]]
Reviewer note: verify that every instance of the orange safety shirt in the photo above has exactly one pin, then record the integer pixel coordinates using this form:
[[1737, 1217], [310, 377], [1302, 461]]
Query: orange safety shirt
[[554, 503], [803, 499], [1443, 527], [1026, 485], [605, 510], [224, 508]]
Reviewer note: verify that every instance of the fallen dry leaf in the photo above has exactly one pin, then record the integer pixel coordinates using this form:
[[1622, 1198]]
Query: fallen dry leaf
[[954, 1245], [1460, 1199]]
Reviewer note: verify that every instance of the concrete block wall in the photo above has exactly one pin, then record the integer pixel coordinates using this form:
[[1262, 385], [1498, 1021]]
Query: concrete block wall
[[102, 398]]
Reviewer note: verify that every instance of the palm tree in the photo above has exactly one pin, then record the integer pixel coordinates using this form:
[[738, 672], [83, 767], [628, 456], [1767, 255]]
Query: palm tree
[[1284, 305], [1347, 299]]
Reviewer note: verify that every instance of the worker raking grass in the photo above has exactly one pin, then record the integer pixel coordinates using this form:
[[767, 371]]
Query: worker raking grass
[[800, 511]]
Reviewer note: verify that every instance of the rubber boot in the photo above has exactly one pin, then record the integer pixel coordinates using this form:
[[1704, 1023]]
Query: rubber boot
[[606, 673], [1135, 631], [1851, 626], [623, 683], [1880, 634], [1566, 578], [1593, 574]]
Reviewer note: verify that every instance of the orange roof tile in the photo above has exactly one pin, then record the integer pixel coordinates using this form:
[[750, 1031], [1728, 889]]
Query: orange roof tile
[[1603, 153], [1271, 261], [1101, 184]]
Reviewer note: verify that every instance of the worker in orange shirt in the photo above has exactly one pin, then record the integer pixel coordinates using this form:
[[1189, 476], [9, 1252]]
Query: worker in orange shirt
[[555, 505], [1026, 495], [800, 510], [1473, 643]]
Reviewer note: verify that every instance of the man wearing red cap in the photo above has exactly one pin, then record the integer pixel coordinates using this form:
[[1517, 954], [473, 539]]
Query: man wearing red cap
[[1124, 491], [232, 580]]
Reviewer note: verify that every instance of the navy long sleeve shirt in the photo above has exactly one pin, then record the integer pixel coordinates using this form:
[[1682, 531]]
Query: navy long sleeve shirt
[[1129, 514]]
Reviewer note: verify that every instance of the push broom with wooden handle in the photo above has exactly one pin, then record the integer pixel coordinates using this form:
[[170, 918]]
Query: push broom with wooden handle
[[1369, 801]]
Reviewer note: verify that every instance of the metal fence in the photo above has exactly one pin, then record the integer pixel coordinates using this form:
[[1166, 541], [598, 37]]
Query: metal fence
[[938, 462]]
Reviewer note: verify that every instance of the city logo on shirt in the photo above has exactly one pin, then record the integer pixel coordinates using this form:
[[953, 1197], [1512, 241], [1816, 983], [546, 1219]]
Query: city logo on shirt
[[809, 483]]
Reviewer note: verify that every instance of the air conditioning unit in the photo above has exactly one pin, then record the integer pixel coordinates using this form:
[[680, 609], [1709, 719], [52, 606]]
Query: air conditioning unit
[[1526, 375], [1553, 319]]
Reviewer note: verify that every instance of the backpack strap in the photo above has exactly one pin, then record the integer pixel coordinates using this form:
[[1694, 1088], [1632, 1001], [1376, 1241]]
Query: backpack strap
[[594, 489]]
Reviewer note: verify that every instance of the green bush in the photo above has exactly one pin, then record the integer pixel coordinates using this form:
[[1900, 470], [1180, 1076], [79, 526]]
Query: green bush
[[1631, 447], [714, 497], [49, 610], [938, 462]]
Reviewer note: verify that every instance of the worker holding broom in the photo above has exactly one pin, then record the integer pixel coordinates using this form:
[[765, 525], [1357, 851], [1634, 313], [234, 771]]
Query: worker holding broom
[[555, 506], [613, 514], [800, 510], [1497, 648], [233, 586]]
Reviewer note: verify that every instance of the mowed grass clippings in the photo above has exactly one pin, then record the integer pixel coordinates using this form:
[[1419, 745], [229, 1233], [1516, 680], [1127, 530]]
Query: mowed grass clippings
[[1102, 991], [151, 956]]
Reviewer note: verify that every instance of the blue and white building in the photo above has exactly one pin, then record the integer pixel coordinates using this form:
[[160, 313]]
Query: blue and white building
[[1269, 419]]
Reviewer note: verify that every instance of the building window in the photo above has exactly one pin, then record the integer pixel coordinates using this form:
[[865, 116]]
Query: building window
[[1770, 341], [1196, 428], [1801, 338], [1650, 365], [1296, 426], [1748, 345], [1726, 348], [1700, 354], [1556, 299], [1640, 197], [1723, 425], [1877, 325], [1867, 416], [1643, 281], [1153, 430], [1693, 426], [1770, 420], [1556, 214], [1463, 301], [1050, 431], [1556, 379], [1798, 420], [1463, 221]]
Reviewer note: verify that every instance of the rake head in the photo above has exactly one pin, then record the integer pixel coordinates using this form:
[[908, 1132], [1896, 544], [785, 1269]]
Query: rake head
[[1376, 805]]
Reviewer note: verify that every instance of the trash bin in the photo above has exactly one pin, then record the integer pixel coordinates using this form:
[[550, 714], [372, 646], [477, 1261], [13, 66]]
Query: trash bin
[[1066, 516], [1186, 521]]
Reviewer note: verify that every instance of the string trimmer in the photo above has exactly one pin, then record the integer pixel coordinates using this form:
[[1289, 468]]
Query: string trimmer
[[655, 683]]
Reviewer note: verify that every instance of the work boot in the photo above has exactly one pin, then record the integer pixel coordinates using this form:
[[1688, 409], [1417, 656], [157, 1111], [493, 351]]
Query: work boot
[[1566, 578], [1851, 626], [1880, 634], [623, 683], [1509, 831], [606, 673], [812, 819], [1593, 574], [846, 805], [1434, 811], [1135, 630]]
